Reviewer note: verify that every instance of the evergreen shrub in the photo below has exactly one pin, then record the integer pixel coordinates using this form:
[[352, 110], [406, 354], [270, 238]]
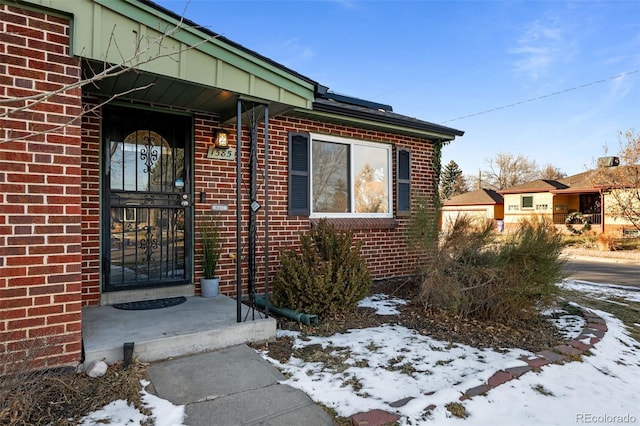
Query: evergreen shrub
[[328, 277], [475, 275]]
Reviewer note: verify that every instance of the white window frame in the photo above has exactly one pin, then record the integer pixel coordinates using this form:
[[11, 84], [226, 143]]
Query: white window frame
[[319, 137]]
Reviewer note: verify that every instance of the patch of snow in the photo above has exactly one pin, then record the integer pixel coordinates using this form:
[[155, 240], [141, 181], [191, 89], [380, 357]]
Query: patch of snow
[[382, 303], [118, 412], [122, 413], [569, 326], [602, 291], [164, 412], [286, 333]]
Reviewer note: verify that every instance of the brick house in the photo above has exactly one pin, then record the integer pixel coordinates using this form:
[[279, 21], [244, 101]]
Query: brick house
[[103, 185], [482, 204], [573, 200]]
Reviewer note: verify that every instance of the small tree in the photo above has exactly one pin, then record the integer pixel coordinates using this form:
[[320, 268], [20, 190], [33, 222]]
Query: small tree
[[328, 276], [474, 275], [452, 181], [623, 182]]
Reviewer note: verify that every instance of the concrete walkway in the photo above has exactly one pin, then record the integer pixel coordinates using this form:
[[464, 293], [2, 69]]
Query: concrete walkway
[[233, 386]]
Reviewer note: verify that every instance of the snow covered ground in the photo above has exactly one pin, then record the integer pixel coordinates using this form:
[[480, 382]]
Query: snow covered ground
[[365, 369], [120, 412], [375, 367]]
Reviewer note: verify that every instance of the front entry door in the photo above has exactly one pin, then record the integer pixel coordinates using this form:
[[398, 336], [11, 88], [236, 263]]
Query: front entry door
[[146, 199]]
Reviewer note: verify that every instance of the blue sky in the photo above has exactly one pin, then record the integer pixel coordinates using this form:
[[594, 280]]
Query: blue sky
[[450, 62]]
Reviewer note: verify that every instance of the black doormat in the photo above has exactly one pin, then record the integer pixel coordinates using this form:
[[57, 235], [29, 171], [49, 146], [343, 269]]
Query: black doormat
[[151, 304]]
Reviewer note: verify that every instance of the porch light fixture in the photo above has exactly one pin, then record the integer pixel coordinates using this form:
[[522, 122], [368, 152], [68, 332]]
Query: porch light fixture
[[220, 139]]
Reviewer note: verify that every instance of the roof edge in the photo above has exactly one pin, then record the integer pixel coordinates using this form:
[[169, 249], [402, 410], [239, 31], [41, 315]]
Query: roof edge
[[386, 117]]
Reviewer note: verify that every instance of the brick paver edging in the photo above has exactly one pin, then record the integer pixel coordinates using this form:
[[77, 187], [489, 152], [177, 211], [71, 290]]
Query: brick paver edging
[[594, 330]]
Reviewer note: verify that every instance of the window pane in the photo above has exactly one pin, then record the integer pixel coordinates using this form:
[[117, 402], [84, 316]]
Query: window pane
[[330, 174], [371, 179], [527, 202]]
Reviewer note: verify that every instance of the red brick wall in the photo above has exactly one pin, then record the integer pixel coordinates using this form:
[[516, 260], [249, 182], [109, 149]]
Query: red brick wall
[[40, 217], [90, 206], [385, 249]]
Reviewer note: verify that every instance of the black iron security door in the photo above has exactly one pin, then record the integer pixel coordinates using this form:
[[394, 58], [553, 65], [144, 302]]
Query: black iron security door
[[146, 199]]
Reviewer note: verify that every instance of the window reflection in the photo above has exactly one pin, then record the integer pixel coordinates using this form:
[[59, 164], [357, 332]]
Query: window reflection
[[145, 161], [350, 177]]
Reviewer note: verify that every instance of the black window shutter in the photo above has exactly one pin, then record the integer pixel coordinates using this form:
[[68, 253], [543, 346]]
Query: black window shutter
[[403, 163], [299, 145]]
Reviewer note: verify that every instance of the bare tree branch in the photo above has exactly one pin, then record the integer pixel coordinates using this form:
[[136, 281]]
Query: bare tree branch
[[622, 183], [143, 53], [507, 170], [84, 112]]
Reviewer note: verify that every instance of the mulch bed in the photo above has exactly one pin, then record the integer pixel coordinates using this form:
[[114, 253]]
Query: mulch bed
[[61, 397], [534, 335]]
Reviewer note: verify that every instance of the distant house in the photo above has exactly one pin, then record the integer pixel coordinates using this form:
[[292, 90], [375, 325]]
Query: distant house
[[485, 204], [105, 186], [573, 200]]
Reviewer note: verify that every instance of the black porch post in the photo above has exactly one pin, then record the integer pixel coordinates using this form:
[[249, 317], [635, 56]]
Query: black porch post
[[266, 209], [238, 212]]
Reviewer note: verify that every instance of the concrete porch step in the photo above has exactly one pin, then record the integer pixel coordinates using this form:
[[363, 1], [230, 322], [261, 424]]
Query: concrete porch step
[[200, 324]]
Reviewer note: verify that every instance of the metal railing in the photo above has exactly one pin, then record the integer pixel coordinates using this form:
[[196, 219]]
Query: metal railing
[[592, 218]]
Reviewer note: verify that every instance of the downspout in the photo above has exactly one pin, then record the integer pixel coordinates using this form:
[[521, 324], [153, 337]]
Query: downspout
[[307, 319]]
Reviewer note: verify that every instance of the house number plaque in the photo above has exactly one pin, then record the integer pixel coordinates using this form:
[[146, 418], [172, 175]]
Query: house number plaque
[[228, 154]]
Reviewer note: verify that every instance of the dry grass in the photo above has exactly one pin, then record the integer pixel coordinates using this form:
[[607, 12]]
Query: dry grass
[[62, 396], [607, 242]]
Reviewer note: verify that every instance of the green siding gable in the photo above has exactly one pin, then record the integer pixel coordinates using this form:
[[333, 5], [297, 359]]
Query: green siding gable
[[109, 30]]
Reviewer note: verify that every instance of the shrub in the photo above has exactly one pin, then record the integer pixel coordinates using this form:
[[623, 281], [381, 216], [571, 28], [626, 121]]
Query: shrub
[[474, 275], [327, 277], [606, 241]]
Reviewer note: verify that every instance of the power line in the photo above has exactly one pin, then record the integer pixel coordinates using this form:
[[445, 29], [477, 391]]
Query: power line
[[543, 96]]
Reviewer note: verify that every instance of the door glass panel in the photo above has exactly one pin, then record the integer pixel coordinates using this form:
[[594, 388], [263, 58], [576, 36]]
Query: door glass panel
[[147, 243]]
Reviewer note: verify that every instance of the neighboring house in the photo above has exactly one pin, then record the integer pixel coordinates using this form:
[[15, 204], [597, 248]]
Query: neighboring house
[[483, 204], [574, 200], [107, 208]]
